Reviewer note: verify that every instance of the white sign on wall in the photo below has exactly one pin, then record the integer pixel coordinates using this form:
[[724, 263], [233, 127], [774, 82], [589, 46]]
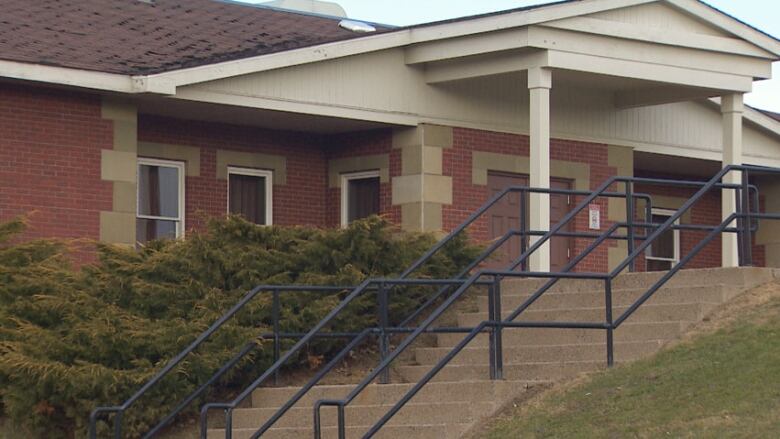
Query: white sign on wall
[[594, 217]]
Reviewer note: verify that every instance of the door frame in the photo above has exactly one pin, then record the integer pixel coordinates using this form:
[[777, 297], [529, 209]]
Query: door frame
[[569, 184]]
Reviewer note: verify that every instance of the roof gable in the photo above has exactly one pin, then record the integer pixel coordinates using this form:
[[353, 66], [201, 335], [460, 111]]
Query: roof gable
[[661, 16]]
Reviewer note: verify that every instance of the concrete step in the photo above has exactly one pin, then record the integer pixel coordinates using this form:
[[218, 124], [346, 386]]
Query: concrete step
[[443, 412], [625, 351], [691, 312], [713, 294], [740, 277], [419, 431], [514, 371], [638, 331], [380, 394]]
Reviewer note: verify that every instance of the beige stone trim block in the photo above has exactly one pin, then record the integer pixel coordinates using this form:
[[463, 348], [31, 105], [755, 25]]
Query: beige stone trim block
[[275, 163], [118, 166], [422, 187], [425, 134], [482, 162], [672, 203], [617, 209], [336, 167], [117, 227], [769, 230], [419, 159], [579, 172], [772, 255], [622, 158], [125, 136], [118, 109], [616, 255], [125, 197], [190, 155], [425, 217]]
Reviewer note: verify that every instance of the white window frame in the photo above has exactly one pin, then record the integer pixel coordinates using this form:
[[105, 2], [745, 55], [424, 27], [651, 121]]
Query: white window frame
[[180, 227], [345, 179], [676, 235], [269, 188]]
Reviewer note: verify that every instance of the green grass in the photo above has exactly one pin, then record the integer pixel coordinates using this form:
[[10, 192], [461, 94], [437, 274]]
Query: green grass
[[724, 384]]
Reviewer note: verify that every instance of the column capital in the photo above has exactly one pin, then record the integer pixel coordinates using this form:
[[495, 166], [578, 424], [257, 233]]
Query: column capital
[[539, 77], [732, 103]]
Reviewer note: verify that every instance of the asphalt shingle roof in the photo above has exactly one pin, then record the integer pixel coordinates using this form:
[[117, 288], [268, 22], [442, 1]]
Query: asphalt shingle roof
[[145, 37]]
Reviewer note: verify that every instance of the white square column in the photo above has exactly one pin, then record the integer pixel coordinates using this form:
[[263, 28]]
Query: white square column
[[539, 85], [732, 108]]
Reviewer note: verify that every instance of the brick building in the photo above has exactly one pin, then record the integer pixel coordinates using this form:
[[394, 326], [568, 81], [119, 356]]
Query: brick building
[[161, 114]]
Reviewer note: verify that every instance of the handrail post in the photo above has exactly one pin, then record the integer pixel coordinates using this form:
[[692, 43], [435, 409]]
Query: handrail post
[[630, 222], [747, 236], [384, 341], [118, 425], [342, 422], [229, 423], [523, 230], [275, 310], [496, 343], [610, 327]]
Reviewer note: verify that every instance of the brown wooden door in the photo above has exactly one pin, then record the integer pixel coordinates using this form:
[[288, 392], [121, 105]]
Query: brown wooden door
[[505, 215]]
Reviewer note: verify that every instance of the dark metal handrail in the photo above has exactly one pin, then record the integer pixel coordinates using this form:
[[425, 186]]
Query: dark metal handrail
[[228, 407], [744, 213], [277, 335], [119, 410], [555, 276]]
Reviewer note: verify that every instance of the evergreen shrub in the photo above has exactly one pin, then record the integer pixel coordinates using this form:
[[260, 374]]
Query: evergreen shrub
[[73, 338]]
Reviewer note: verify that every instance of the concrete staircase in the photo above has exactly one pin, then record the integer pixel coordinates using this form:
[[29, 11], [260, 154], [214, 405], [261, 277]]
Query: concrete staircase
[[461, 395]]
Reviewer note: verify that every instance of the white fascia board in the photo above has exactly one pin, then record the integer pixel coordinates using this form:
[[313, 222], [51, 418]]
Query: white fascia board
[[389, 40], [484, 66], [649, 71], [323, 52], [729, 24], [69, 77], [293, 106]]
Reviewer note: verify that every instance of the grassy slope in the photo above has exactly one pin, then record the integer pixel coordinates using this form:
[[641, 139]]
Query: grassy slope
[[722, 383]]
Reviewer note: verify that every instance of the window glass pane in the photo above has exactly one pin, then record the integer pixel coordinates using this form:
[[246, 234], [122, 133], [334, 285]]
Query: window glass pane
[[158, 191], [663, 246], [362, 198], [149, 229], [247, 197]]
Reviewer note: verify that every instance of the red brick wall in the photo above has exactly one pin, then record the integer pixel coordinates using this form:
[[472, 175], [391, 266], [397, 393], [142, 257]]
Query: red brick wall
[[305, 199], [468, 197], [301, 201], [362, 144], [50, 143]]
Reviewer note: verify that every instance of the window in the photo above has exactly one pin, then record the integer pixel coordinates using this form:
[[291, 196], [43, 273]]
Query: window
[[664, 252], [359, 196], [250, 194], [160, 212]]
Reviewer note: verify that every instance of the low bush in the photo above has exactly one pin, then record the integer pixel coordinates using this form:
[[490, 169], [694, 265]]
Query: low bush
[[74, 338]]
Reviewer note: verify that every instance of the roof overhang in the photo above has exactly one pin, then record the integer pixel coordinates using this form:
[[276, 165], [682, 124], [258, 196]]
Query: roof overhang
[[416, 37]]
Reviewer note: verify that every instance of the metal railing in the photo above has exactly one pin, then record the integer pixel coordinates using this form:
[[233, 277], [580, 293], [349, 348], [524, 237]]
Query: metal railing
[[497, 324], [744, 217], [382, 331]]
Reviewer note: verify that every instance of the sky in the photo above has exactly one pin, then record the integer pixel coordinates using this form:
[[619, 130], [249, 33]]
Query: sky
[[763, 14]]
